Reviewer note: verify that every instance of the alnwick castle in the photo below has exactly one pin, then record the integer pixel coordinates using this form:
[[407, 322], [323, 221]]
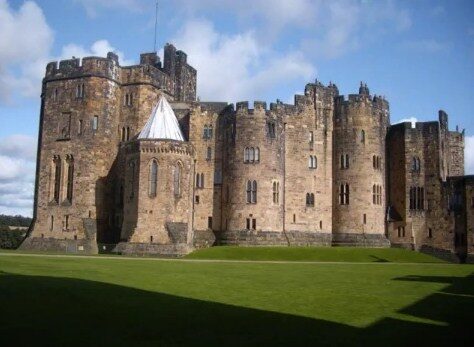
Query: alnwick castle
[[129, 161]]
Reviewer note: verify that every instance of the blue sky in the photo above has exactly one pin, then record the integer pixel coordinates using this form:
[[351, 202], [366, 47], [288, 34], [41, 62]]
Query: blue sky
[[419, 54]]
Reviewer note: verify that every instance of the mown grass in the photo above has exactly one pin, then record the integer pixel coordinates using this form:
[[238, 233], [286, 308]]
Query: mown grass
[[91, 301], [323, 254]]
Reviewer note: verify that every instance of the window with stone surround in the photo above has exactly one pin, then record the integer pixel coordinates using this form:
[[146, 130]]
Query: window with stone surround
[[309, 199], [377, 194], [271, 130], [80, 91], [208, 153], [344, 161], [251, 192], [362, 136], [344, 194], [276, 192], [313, 162], [70, 177], [95, 123], [251, 155], [416, 164], [417, 198], [152, 178], [56, 178], [200, 180], [207, 132], [177, 180]]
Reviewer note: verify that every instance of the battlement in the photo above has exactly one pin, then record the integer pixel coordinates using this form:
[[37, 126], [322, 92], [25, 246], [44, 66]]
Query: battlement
[[177, 78]]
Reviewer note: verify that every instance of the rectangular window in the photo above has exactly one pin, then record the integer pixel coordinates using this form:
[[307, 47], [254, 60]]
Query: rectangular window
[[254, 224], [196, 199], [66, 222], [248, 224], [95, 123], [80, 127], [365, 218], [311, 137], [209, 222]]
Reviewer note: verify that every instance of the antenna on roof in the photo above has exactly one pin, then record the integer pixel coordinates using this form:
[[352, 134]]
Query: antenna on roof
[[156, 23]]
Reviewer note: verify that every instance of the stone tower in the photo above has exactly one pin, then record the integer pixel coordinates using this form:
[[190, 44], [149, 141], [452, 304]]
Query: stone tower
[[359, 204]]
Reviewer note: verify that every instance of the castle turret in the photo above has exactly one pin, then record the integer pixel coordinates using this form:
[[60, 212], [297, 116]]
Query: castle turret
[[158, 187], [359, 169]]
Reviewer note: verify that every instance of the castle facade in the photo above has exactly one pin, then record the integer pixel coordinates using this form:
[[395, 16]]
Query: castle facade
[[129, 161]]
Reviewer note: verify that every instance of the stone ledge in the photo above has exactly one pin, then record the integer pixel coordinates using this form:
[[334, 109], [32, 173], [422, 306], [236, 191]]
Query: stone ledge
[[360, 240], [59, 246], [273, 238], [140, 249]]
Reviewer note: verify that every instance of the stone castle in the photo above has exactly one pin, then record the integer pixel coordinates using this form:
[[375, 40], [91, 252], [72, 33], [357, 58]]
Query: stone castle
[[119, 170]]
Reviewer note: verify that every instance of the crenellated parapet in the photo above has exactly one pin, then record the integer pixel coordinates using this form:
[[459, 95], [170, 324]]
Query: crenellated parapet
[[176, 78]]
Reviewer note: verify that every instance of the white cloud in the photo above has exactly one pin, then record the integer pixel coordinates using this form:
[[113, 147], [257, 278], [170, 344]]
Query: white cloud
[[411, 120], [237, 67], [94, 7], [330, 28], [17, 174], [469, 155], [99, 48], [25, 48], [25, 42]]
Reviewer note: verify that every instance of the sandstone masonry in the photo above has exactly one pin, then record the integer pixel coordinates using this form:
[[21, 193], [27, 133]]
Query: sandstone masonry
[[328, 170]]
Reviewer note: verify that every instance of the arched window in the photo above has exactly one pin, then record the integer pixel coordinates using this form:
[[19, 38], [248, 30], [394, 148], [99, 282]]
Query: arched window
[[257, 154], [177, 180], [252, 155], [347, 194], [246, 155], [70, 177], [57, 177], [416, 164], [153, 178], [249, 192], [362, 136], [254, 192]]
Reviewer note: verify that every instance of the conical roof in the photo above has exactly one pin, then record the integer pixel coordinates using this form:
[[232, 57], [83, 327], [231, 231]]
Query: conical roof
[[162, 123]]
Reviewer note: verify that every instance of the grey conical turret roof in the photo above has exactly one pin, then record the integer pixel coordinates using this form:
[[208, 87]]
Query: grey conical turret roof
[[162, 123]]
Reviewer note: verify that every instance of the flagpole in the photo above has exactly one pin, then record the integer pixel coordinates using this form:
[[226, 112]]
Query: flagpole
[[156, 23]]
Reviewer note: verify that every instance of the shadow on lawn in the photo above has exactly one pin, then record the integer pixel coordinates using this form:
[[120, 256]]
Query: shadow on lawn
[[64, 311]]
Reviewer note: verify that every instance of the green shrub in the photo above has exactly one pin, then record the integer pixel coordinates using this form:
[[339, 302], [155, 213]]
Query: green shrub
[[10, 239]]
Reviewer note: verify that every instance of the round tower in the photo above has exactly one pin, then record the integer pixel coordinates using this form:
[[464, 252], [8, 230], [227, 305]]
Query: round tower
[[359, 201], [253, 179]]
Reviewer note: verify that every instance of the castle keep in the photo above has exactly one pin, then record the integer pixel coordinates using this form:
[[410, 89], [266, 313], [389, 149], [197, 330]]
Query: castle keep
[[129, 161]]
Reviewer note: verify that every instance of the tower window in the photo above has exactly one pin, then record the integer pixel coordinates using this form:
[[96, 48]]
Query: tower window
[[153, 179], [309, 199], [80, 91], [344, 161], [271, 130], [200, 180], [276, 192], [362, 136], [416, 164], [95, 123], [313, 162], [251, 192], [344, 194], [70, 177], [207, 132], [57, 178]]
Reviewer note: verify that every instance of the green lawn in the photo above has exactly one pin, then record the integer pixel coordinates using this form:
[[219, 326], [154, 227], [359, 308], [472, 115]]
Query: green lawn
[[331, 254], [64, 301]]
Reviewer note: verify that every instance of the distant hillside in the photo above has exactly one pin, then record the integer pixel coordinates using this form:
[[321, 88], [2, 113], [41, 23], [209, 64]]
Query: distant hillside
[[17, 221]]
